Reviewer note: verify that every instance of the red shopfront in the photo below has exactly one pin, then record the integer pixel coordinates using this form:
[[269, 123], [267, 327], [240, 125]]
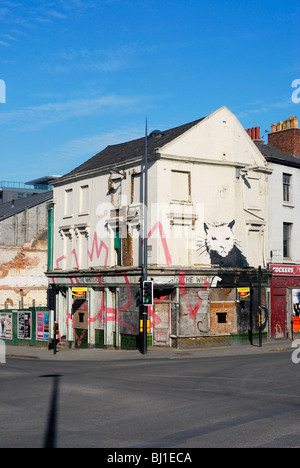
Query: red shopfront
[[285, 299]]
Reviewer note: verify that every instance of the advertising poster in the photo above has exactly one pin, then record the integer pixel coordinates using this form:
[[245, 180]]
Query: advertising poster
[[24, 325], [6, 326], [42, 326], [296, 309]]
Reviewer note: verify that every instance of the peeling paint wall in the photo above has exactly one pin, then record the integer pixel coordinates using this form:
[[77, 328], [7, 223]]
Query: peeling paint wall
[[23, 259]]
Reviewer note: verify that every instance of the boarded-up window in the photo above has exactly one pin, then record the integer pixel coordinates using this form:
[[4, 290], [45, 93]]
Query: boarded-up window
[[116, 192], [84, 199], [255, 245], [253, 193], [223, 318], [181, 186], [68, 202], [136, 188]]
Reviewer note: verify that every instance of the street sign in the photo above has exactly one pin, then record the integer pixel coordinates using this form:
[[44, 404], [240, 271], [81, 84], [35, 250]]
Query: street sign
[[244, 294], [79, 292]]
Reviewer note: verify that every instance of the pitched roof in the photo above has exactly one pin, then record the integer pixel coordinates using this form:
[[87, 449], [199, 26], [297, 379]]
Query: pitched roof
[[277, 156], [122, 152], [16, 206]]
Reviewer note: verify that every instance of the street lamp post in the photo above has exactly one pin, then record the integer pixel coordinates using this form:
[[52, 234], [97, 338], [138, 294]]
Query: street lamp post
[[145, 243], [144, 308]]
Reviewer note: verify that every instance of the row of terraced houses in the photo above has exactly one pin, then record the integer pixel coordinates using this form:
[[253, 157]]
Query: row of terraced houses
[[223, 242]]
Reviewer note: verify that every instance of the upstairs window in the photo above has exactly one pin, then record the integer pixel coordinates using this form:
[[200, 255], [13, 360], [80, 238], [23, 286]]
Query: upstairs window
[[136, 187], [84, 199], [287, 228], [286, 185], [69, 202], [181, 186], [118, 247]]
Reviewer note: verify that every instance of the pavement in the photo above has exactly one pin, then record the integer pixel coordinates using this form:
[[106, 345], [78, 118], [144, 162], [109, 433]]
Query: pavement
[[96, 354]]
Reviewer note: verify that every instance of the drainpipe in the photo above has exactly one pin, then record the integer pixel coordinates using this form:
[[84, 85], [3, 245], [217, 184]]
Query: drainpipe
[[50, 208], [259, 307]]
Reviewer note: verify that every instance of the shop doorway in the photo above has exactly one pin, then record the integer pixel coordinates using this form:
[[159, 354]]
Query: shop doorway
[[278, 316], [161, 322]]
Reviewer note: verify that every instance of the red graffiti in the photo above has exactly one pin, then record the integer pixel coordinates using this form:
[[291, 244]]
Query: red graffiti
[[159, 226], [98, 249], [60, 259], [192, 310]]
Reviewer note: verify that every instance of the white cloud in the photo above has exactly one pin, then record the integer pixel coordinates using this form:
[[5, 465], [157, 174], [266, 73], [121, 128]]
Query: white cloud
[[44, 11], [263, 107], [36, 117], [71, 154], [96, 60], [89, 146]]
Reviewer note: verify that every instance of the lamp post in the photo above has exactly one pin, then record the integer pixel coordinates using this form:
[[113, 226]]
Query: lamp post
[[144, 308]]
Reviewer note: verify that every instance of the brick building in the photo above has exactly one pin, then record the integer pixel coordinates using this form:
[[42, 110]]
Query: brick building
[[283, 155], [24, 251]]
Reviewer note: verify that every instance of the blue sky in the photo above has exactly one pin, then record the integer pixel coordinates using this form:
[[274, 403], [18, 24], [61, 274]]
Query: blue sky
[[81, 75]]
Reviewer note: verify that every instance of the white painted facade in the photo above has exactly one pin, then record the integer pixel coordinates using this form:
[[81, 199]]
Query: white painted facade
[[213, 173], [281, 211]]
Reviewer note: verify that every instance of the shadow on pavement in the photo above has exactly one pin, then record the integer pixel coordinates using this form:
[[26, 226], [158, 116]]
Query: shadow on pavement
[[51, 430]]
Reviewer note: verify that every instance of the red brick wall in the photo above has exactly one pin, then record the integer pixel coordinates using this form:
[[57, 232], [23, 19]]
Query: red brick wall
[[287, 140]]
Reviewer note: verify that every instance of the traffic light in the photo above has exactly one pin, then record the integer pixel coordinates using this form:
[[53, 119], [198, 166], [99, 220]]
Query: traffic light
[[51, 297], [148, 293]]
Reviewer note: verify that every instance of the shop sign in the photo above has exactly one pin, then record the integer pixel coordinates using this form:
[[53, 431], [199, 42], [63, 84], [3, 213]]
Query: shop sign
[[244, 294], [285, 270], [79, 292]]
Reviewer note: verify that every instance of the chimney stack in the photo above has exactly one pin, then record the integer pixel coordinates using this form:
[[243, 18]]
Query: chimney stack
[[286, 136], [254, 134]]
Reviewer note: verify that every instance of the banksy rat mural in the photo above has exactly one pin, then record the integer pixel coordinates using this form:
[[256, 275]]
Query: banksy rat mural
[[222, 247]]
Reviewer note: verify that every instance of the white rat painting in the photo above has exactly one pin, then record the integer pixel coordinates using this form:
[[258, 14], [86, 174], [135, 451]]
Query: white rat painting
[[222, 247]]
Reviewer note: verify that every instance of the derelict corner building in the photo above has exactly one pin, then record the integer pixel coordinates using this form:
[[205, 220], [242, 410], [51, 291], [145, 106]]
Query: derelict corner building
[[207, 239]]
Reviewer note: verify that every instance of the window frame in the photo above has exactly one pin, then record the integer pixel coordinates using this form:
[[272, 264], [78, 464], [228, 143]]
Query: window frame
[[84, 199], [188, 173], [286, 188], [69, 203], [286, 242]]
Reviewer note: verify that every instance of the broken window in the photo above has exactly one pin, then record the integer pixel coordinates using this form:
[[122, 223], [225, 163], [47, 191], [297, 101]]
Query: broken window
[[221, 317]]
